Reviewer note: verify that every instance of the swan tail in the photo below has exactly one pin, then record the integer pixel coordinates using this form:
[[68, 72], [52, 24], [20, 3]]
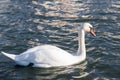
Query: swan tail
[[11, 56]]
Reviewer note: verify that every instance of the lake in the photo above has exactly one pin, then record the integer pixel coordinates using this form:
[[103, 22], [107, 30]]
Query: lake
[[28, 23]]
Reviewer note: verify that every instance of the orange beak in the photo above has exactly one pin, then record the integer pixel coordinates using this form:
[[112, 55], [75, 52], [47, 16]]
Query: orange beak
[[92, 32]]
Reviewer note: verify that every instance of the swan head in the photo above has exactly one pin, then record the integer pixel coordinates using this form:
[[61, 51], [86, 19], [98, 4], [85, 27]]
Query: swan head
[[88, 28]]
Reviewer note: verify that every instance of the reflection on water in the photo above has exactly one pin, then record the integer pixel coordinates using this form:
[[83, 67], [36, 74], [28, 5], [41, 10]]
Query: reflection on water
[[26, 23]]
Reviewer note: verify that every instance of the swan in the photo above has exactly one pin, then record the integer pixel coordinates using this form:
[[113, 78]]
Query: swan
[[51, 56]]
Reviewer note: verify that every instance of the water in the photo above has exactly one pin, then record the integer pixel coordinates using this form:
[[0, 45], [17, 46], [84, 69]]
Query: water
[[25, 24]]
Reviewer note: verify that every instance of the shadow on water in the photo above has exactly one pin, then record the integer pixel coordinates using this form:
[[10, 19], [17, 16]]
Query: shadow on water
[[26, 23], [13, 72]]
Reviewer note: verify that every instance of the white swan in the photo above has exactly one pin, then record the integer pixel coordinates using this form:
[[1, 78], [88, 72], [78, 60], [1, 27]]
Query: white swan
[[52, 56]]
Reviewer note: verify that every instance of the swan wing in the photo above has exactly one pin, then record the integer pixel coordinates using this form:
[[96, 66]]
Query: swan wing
[[45, 56]]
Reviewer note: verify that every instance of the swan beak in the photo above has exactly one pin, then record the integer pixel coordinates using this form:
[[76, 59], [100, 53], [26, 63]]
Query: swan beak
[[92, 32]]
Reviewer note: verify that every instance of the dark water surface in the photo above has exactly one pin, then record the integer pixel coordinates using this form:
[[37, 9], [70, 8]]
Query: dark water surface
[[25, 24]]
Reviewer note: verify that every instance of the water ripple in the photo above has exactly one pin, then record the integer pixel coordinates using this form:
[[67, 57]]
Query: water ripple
[[25, 24]]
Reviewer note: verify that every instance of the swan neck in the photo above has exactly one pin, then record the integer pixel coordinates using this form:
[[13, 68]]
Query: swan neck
[[81, 43]]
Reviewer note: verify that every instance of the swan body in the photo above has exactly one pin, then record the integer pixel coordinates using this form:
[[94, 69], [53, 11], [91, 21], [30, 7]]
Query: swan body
[[52, 56]]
